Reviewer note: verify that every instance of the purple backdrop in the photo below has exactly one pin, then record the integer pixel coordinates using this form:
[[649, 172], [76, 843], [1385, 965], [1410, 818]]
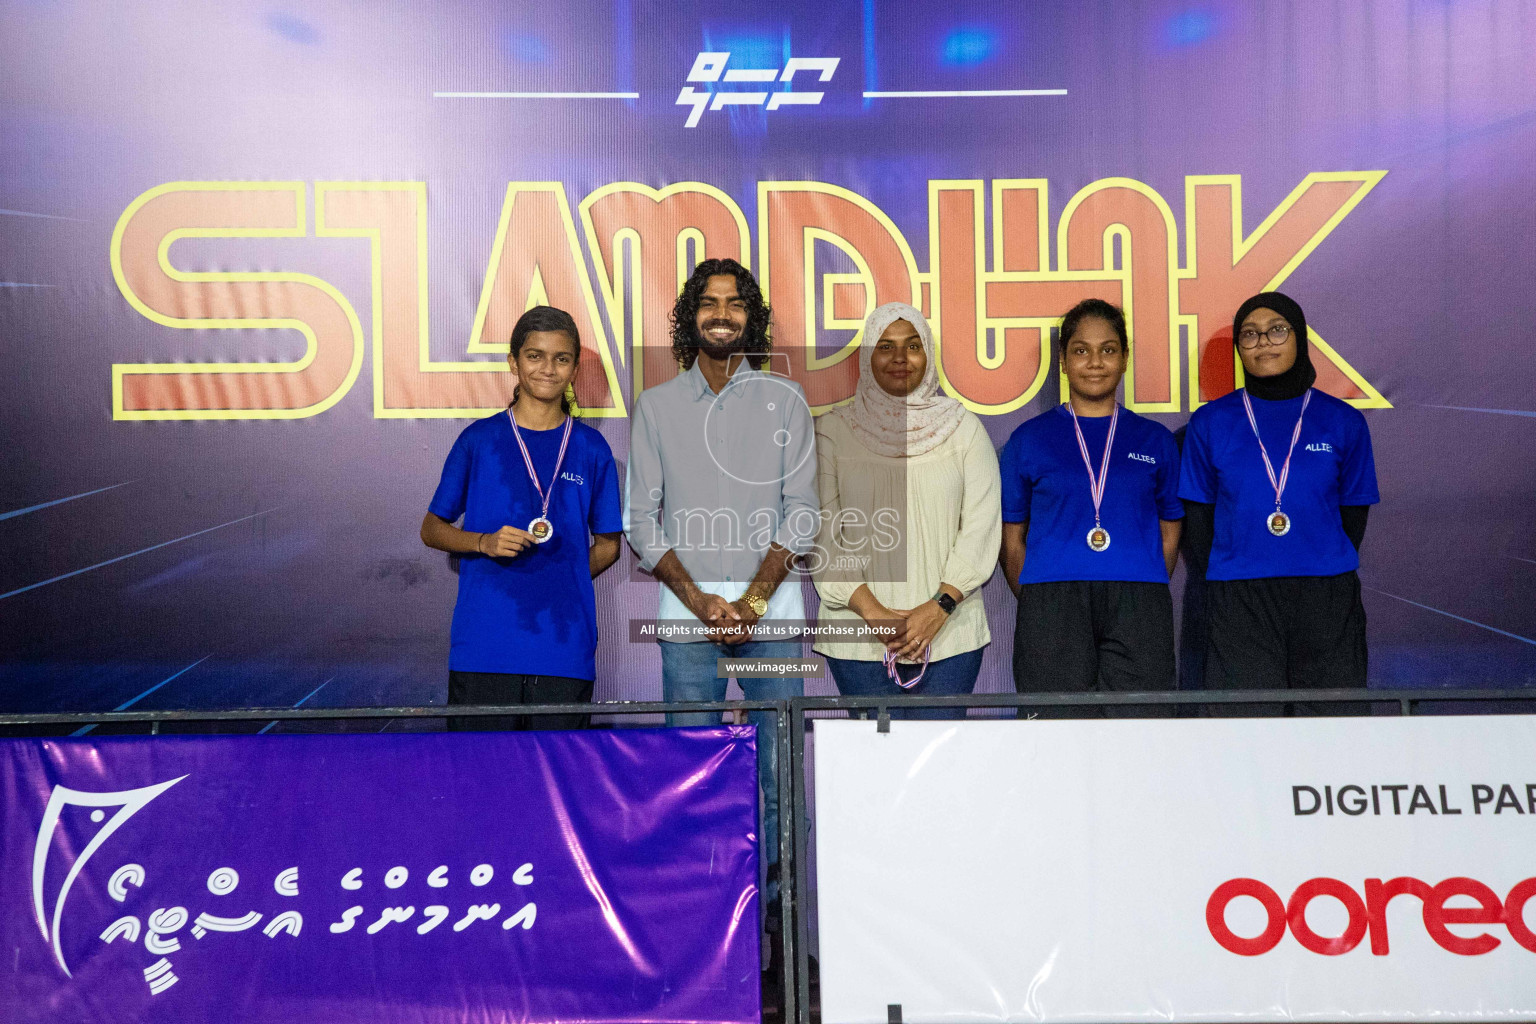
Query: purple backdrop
[[156, 563]]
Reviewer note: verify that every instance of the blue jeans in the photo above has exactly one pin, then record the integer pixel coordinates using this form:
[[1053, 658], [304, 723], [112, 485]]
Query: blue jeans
[[944, 678], [688, 673]]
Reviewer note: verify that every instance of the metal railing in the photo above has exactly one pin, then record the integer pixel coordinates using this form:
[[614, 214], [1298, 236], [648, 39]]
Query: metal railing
[[792, 719]]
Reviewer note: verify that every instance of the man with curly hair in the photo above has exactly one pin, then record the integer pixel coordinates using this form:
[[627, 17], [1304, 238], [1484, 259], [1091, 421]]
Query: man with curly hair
[[720, 499]]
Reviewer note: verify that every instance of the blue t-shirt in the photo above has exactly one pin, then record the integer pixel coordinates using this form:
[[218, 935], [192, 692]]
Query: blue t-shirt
[[535, 613], [1046, 484], [1332, 466]]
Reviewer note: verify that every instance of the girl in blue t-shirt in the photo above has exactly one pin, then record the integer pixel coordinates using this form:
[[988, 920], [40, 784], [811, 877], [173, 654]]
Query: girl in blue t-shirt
[[539, 497], [1091, 527], [1277, 480]]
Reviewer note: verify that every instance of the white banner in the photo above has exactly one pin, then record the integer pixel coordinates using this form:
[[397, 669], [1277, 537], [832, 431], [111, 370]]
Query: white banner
[[1196, 870]]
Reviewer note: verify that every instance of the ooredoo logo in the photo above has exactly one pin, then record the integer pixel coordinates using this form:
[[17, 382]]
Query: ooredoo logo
[[1369, 914]]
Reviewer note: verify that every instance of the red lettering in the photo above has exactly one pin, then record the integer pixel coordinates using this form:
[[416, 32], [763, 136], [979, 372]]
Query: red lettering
[[1225, 267], [536, 258], [791, 217], [277, 378], [1018, 301], [1377, 895], [1296, 911], [1370, 914], [1120, 206], [658, 222], [1514, 913], [992, 306], [1437, 915], [1216, 917]]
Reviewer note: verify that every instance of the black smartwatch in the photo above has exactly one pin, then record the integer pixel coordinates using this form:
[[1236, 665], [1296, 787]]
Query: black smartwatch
[[944, 601]]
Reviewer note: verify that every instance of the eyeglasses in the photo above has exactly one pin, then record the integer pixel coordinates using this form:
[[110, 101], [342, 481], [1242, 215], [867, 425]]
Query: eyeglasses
[[1249, 338]]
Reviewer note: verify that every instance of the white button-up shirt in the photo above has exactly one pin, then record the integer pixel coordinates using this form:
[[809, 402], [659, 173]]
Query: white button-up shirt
[[717, 478]]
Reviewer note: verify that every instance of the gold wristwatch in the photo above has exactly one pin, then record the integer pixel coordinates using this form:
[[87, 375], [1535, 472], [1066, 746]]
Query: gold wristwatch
[[759, 605]]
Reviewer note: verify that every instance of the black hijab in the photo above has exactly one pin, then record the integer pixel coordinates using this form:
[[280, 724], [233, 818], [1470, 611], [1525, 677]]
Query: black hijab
[[1292, 383]]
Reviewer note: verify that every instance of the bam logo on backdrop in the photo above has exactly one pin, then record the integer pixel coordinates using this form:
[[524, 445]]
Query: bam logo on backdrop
[[997, 278], [707, 68], [164, 929]]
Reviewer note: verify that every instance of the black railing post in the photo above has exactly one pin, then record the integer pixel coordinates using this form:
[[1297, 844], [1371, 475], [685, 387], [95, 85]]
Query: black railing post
[[789, 888], [801, 866]]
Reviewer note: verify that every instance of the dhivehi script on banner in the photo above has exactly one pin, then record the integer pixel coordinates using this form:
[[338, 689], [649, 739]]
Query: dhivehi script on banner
[[1199, 870], [465, 878]]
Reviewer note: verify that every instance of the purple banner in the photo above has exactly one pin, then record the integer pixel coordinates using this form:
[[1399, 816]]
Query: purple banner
[[581, 876]]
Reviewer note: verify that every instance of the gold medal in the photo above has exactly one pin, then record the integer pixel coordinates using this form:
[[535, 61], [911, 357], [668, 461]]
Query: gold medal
[[1278, 523], [541, 529], [1098, 537]]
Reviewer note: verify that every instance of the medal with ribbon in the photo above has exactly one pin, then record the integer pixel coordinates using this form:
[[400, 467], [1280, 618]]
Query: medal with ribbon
[[541, 528], [1098, 537], [1277, 521]]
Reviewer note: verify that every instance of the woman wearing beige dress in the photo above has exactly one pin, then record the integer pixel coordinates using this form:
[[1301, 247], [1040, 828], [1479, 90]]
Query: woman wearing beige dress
[[911, 518]]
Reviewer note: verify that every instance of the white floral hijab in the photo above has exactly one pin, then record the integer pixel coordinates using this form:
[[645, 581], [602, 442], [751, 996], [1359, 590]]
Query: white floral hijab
[[900, 427]]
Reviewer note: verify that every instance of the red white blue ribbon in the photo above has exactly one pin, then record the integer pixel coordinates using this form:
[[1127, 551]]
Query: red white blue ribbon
[[1096, 484], [1285, 471], [890, 669], [533, 474]]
